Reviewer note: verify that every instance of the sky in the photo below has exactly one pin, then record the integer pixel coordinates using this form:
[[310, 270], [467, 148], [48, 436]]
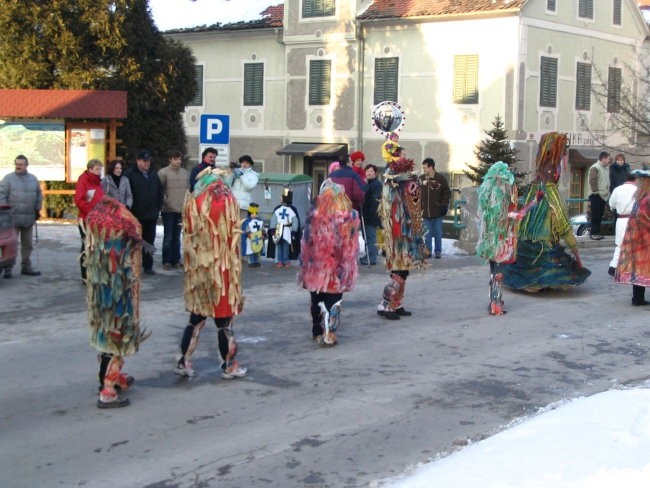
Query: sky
[[175, 14]]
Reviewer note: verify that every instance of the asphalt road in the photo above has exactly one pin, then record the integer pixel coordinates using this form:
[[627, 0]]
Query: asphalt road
[[390, 395]]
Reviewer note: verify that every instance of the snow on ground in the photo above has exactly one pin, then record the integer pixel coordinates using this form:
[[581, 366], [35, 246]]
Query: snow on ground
[[595, 442]]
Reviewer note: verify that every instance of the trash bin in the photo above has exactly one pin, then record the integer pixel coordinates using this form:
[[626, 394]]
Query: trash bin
[[269, 189]]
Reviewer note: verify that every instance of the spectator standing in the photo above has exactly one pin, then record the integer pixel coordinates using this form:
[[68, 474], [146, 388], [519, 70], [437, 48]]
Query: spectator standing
[[371, 220], [115, 184], [354, 186], [147, 201], [174, 180], [208, 160], [88, 193], [599, 186], [622, 202], [435, 203], [358, 158], [22, 191], [618, 172], [242, 182]]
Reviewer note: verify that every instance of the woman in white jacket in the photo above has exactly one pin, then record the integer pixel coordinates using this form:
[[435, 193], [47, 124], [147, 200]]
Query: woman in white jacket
[[242, 182]]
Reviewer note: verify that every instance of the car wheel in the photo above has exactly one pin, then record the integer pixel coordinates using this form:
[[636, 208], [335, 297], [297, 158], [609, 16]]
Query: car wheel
[[583, 230]]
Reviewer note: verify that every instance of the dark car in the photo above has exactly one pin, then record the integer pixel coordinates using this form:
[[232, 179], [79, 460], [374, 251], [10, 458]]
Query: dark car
[[8, 238]]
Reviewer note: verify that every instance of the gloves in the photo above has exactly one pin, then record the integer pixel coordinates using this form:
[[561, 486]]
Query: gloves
[[443, 210], [238, 172]]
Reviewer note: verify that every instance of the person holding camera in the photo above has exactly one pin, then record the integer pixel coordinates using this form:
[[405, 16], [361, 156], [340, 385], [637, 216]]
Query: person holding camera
[[242, 181], [435, 203]]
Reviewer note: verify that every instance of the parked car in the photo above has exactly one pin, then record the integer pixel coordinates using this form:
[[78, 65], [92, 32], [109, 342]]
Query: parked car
[[8, 238], [582, 225]]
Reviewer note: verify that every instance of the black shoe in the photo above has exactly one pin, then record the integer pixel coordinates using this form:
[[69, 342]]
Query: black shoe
[[596, 237], [30, 272], [639, 304], [437, 255], [403, 313], [611, 271], [387, 314], [7, 274], [150, 272], [119, 402]]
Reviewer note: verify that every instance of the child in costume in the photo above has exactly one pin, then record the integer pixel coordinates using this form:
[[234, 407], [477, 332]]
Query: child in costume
[[284, 237], [542, 262], [252, 239], [403, 244], [391, 150], [497, 210], [634, 261], [113, 256], [330, 245], [212, 260]]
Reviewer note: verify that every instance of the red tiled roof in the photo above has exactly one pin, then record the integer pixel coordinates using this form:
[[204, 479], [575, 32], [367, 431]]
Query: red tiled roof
[[384, 9], [64, 104], [270, 18]]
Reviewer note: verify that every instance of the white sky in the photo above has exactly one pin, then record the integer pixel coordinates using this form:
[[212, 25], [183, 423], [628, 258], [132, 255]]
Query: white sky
[[175, 14], [596, 442]]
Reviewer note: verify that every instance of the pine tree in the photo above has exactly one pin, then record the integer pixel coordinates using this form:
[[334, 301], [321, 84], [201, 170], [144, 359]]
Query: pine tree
[[102, 45], [495, 147]]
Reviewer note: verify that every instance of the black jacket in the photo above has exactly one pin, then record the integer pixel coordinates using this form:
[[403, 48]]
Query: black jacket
[[617, 175], [371, 203], [435, 194], [147, 194]]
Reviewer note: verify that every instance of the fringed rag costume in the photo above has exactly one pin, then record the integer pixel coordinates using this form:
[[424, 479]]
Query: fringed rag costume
[[498, 217], [330, 247], [403, 245], [212, 259], [634, 262], [542, 262], [113, 256]]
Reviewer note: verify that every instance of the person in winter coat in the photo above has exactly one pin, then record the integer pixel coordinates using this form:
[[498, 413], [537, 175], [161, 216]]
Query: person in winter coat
[[88, 193], [354, 186], [175, 182], [435, 203], [618, 172], [358, 158], [22, 191], [622, 202], [115, 185], [371, 220], [147, 202], [208, 160], [242, 181], [599, 186]]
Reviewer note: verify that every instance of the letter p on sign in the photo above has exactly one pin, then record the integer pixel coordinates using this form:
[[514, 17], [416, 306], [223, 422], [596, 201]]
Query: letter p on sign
[[215, 129]]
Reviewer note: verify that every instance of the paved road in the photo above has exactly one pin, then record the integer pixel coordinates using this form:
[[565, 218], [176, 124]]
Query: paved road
[[390, 395]]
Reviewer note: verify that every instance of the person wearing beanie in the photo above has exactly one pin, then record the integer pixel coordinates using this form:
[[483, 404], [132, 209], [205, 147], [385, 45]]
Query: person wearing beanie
[[358, 158], [242, 181]]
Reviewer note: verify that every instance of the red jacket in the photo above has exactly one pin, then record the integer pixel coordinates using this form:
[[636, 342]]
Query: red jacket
[[88, 193]]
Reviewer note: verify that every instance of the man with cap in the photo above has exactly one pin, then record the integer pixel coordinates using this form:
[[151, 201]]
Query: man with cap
[[252, 237], [147, 201], [242, 181]]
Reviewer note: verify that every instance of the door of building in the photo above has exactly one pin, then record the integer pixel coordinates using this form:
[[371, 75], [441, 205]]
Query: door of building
[[576, 190]]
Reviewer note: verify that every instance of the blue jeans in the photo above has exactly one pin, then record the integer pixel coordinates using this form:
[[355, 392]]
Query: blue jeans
[[433, 229], [171, 248], [282, 252], [254, 258], [371, 243]]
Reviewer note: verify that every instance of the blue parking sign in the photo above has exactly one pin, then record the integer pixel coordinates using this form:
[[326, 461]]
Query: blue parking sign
[[215, 129]]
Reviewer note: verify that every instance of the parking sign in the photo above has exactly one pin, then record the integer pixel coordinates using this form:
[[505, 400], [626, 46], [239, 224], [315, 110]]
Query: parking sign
[[215, 129]]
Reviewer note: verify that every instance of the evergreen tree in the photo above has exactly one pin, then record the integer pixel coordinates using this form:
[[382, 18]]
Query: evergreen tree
[[102, 45], [495, 147]]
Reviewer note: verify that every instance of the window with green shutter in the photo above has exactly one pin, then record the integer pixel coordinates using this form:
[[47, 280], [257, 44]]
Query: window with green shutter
[[586, 9], [386, 77], [320, 73], [550, 5], [318, 8], [614, 80], [466, 79], [548, 82], [616, 14], [583, 86], [253, 83], [198, 75]]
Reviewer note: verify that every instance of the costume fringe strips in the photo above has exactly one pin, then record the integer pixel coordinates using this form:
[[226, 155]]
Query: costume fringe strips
[[113, 252], [330, 244], [401, 217], [211, 248]]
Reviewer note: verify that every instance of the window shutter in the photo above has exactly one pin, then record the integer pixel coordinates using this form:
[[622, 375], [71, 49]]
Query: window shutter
[[253, 83], [583, 86], [548, 82], [386, 79], [616, 17], [614, 81], [198, 75], [317, 8], [550, 5], [465, 79], [586, 9], [319, 82]]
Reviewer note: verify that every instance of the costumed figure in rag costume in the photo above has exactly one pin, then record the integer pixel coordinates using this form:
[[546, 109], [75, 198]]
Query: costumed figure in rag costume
[[401, 217], [634, 261], [542, 262], [498, 222], [113, 257], [391, 151], [252, 238], [330, 246], [284, 232], [212, 260]]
